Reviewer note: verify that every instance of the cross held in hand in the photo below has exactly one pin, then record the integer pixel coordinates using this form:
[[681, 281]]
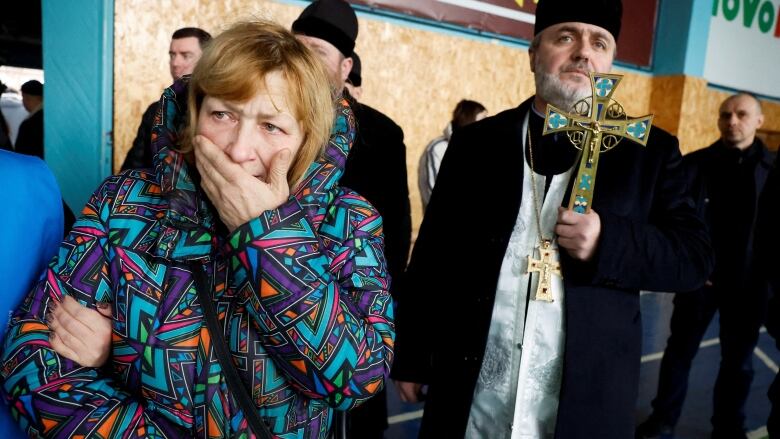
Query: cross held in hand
[[596, 124]]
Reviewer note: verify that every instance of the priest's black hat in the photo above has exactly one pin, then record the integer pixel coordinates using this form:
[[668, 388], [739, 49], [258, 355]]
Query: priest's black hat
[[331, 20], [603, 13], [354, 77]]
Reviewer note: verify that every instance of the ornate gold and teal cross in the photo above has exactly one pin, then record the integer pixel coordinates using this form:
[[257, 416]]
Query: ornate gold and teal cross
[[597, 124]]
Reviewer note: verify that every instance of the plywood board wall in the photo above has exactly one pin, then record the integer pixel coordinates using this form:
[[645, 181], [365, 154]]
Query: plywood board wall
[[142, 34], [697, 106], [413, 75]]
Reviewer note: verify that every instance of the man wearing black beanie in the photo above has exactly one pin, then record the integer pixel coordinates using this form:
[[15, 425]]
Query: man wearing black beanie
[[330, 28], [499, 363], [376, 165]]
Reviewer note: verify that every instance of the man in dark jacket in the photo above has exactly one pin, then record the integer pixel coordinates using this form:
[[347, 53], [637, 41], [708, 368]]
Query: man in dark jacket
[[767, 241], [30, 138], [773, 321], [184, 52], [773, 326], [727, 180], [497, 363], [376, 166]]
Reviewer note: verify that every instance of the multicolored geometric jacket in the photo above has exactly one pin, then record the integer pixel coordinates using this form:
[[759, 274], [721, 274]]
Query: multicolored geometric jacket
[[302, 292]]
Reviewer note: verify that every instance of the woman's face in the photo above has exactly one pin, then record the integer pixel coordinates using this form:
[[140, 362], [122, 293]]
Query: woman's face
[[251, 133]]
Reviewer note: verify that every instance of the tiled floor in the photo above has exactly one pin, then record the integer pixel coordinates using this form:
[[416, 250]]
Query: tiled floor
[[694, 424]]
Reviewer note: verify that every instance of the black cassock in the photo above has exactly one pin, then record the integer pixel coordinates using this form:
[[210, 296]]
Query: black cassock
[[651, 239]]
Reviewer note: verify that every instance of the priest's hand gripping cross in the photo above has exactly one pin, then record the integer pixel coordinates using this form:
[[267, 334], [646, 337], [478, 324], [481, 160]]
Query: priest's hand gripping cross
[[597, 124]]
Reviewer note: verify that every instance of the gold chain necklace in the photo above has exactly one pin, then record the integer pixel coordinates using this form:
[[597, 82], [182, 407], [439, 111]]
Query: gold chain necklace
[[547, 265], [537, 208]]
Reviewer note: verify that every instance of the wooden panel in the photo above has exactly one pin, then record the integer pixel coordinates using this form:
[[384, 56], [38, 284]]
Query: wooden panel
[[634, 93], [414, 76], [699, 115], [666, 102], [142, 35], [770, 132]]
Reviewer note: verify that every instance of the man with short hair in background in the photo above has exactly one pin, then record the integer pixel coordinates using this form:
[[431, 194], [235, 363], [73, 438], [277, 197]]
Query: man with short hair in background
[[727, 180], [184, 52]]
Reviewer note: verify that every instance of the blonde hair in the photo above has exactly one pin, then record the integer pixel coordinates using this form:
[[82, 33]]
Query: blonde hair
[[233, 67]]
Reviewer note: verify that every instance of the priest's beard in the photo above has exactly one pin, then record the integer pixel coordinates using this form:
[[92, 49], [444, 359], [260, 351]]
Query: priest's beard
[[555, 92]]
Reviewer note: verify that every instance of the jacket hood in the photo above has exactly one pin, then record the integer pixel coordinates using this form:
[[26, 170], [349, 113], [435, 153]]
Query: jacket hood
[[189, 215]]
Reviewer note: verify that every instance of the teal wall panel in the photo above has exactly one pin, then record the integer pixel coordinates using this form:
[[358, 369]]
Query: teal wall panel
[[681, 39], [78, 58]]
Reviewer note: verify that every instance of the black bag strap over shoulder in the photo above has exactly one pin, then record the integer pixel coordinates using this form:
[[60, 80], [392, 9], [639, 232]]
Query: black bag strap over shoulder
[[234, 382]]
